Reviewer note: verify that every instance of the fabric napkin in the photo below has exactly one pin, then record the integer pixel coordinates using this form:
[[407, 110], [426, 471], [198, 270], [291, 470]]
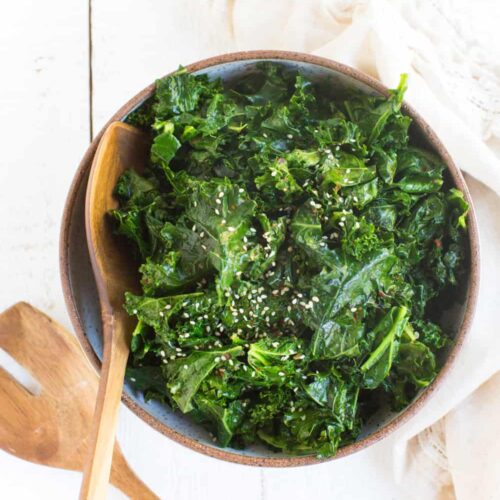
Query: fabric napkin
[[450, 51]]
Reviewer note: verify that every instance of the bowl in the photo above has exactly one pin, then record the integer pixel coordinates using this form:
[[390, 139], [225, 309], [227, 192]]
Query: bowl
[[83, 304]]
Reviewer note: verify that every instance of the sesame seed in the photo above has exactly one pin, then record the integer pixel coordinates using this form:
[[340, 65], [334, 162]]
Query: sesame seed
[[273, 173], [241, 190], [275, 344], [218, 201], [217, 359], [341, 224], [168, 306], [161, 313], [162, 354], [217, 211], [231, 229], [348, 171], [204, 247], [315, 299], [221, 194], [185, 367], [192, 323], [281, 374], [223, 221], [289, 136], [342, 218], [178, 349], [353, 309]]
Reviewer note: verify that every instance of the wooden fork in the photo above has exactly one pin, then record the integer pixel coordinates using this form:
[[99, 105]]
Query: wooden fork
[[52, 428]]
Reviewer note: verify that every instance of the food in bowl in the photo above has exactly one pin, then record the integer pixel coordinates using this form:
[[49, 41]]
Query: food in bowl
[[296, 249]]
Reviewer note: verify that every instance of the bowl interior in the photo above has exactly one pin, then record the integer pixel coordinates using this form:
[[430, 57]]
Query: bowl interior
[[84, 298]]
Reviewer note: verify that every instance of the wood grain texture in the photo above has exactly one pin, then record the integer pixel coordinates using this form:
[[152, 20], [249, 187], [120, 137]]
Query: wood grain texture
[[52, 428], [121, 147]]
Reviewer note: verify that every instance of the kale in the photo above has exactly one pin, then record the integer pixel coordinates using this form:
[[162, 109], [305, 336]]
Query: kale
[[295, 249]]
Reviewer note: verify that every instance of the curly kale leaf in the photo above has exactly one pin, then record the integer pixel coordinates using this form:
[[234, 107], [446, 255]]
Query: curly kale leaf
[[296, 250]]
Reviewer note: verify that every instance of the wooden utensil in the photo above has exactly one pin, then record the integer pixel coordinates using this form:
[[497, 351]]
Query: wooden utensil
[[121, 147], [52, 428]]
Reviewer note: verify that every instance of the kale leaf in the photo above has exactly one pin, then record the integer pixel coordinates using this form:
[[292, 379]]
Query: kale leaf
[[296, 249]]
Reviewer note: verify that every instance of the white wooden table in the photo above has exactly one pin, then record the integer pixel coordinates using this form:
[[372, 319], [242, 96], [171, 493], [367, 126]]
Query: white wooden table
[[64, 69]]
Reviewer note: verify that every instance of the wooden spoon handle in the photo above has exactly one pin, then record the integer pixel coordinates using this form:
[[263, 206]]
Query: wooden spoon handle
[[102, 436], [125, 479]]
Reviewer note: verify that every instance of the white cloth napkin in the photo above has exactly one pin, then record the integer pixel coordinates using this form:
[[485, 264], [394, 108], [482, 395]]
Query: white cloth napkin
[[451, 53]]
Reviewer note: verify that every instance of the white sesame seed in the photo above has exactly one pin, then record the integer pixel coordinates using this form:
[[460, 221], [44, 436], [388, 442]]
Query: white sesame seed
[[289, 136], [341, 224], [315, 299], [273, 173], [204, 247], [357, 225], [241, 190], [353, 309], [161, 313], [348, 171], [221, 194], [168, 306], [185, 367], [178, 349], [162, 354], [218, 201], [231, 229], [281, 374]]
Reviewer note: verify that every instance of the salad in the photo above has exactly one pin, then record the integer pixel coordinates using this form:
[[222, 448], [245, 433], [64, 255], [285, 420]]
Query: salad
[[296, 251]]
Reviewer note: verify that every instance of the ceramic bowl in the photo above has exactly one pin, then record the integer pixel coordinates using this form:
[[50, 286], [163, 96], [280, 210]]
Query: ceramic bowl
[[83, 304]]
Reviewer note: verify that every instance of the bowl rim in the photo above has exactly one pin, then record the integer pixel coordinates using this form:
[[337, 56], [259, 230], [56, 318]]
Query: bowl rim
[[228, 454]]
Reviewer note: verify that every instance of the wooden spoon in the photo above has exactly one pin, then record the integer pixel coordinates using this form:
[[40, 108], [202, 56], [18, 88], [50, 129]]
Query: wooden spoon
[[121, 147], [52, 427]]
